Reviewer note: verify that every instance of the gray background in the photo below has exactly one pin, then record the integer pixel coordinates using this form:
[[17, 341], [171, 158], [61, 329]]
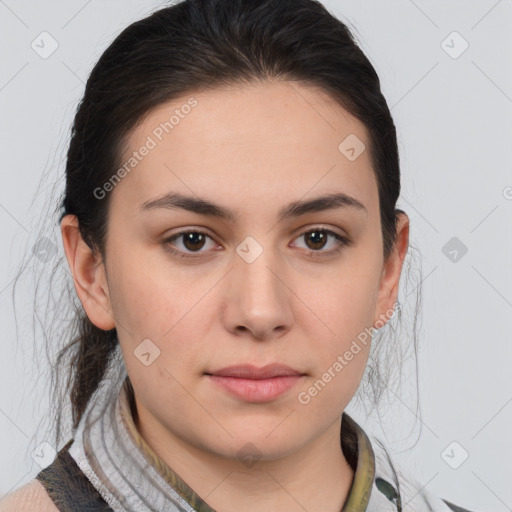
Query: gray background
[[453, 115]]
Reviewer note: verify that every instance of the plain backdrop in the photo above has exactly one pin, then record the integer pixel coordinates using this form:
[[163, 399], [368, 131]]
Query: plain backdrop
[[445, 70]]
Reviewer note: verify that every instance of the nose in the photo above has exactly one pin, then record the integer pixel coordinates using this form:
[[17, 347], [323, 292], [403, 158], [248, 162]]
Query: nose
[[258, 298]]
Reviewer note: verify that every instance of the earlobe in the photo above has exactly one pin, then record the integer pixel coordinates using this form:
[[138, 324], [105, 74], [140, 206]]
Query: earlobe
[[88, 273], [390, 280]]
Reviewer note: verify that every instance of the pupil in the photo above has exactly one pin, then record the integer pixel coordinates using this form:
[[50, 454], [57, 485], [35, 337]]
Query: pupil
[[191, 241], [318, 237]]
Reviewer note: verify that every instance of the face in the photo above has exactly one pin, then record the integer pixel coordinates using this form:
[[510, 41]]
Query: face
[[271, 280]]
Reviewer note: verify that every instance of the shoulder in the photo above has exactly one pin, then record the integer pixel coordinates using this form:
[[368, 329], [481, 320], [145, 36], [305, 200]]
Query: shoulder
[[399, 486], [31, 496]]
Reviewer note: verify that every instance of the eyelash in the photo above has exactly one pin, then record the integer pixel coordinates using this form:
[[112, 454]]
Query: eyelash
[[342, 242]]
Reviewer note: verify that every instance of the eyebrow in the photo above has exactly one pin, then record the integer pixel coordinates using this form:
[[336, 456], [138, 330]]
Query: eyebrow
[[295, 209]]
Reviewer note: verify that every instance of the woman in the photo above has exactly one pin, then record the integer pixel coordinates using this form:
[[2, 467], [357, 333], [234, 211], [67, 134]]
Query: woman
[[229, 222]]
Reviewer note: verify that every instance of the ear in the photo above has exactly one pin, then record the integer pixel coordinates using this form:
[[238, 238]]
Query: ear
[[390, 277], [88, 273]]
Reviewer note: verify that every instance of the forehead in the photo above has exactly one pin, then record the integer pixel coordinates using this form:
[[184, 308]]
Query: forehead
[[269, 140]]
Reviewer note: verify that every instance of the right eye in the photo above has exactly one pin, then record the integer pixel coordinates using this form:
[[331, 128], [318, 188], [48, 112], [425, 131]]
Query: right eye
[[191, 241]]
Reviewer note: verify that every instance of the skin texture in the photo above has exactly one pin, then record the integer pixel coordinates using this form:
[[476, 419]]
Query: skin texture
[[27, 498], [253, 149]]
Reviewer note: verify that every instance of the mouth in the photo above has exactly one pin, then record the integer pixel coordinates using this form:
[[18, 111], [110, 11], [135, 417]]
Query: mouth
[[248, 371], [257, 385]]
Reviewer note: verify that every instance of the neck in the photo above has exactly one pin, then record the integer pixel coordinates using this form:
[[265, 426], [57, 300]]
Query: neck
[[315, 478]]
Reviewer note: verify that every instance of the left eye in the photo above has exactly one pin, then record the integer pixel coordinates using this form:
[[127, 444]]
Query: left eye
[[193, 241], [317, 239]]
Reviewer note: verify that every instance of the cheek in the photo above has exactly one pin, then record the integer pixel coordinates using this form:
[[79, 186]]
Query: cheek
[[344, 315], [343, 304], [161, 308], [341, 355], [145, 302]]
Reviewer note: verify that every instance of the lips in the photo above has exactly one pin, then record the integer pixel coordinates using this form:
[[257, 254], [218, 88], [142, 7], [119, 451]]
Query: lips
[[257, 385], [247, 371]]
